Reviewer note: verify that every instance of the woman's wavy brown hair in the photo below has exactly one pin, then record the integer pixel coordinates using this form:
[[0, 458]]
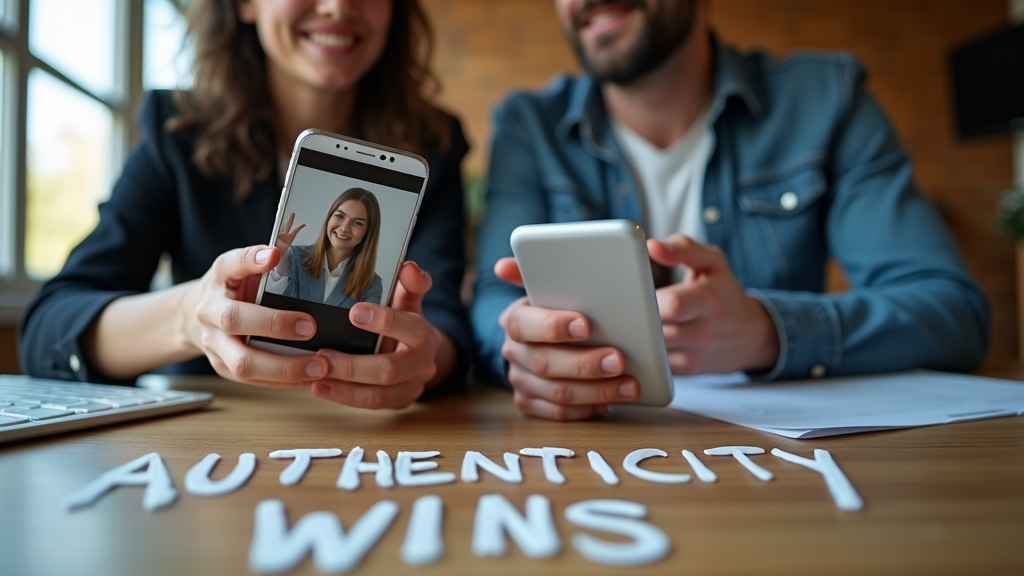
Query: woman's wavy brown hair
[[363, 261], [230, 110]]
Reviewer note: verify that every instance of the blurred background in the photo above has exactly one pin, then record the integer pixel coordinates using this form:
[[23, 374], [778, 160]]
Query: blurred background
[[74, 72]]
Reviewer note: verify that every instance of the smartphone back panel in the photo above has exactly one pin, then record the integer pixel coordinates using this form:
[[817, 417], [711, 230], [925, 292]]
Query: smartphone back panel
[[602, 270]]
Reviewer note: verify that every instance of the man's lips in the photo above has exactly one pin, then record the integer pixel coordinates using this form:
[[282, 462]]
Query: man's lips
[[600, 17]]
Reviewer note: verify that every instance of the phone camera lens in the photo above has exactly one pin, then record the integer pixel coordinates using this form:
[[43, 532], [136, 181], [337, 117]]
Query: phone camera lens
[[337, 145], [382, 157], [346, 147], [392, 158]]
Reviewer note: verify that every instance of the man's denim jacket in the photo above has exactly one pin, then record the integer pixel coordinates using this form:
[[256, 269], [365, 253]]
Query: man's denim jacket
[[805, 166]]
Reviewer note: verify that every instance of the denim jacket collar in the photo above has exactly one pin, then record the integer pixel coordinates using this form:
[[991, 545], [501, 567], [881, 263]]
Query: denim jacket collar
[[732, 78]]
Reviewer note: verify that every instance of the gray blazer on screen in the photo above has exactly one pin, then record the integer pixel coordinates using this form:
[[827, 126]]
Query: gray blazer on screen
[[301, 283]]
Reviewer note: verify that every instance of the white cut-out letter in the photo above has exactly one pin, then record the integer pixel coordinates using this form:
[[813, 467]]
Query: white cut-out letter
[[274, 548], [354, 466], [405, 467], [148, 471], [548, 456], [424, 543], [703, 472], [198, 483], [740, 454], [511, 473], [632, 465], [534, 534], [294, 471], [602, 469], [843, 493], [649, 543]]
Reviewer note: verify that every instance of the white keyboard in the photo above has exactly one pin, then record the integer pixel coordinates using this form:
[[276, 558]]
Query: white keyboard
[[31, 407]]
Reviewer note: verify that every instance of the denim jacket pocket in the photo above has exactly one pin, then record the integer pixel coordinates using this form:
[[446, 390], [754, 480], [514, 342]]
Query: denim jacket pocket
[[784, 214], [785, 196], [566, 201]]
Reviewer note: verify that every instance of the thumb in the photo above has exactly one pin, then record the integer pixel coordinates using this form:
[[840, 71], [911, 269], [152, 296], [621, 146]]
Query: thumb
[[679, 250], [241, 263], [413, 284], [507, 269]]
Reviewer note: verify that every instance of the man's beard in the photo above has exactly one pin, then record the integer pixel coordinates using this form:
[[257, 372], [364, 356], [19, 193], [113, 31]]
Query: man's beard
[[659, 38]]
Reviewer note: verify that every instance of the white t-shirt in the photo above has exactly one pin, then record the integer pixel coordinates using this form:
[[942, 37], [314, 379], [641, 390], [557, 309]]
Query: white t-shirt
[[671, 180]]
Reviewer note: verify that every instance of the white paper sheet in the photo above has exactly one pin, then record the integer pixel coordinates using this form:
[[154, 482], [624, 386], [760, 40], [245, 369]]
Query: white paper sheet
[[831, 406]]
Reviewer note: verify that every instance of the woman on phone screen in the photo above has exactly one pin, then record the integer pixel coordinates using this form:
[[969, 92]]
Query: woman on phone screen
[[339, 268], [200, 190]]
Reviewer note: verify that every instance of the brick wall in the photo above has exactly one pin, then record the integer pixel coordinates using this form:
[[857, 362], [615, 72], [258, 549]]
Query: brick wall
[[488, 47]]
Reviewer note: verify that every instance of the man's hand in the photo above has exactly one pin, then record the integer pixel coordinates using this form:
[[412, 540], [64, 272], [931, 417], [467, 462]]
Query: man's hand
[[711, 325], [552, 378]]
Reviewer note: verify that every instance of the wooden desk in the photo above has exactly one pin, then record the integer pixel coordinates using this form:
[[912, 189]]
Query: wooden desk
[[939, 500]]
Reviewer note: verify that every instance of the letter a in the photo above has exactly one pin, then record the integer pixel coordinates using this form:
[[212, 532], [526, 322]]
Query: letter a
[[148, 471]]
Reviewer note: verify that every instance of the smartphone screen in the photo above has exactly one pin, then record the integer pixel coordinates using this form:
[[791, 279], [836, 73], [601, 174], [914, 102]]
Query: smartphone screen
[[346, 220]]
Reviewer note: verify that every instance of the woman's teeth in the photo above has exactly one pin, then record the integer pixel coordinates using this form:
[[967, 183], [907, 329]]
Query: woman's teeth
[[332, 40]]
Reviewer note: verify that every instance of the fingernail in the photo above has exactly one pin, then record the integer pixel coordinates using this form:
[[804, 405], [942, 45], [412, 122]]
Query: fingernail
[[577, 329], [627, 390], [362, 315], [316, 369], [304, 328], [263, 256], [610, 364]]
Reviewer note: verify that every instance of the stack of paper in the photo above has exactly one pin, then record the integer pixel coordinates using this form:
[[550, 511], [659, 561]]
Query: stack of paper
[[825, 407]]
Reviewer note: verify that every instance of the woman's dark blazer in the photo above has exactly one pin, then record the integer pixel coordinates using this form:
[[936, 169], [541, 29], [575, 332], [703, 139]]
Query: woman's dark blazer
[[162, 206]]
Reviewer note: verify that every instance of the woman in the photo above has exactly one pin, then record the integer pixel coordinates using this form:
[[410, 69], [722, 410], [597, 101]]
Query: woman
[[339, 269], [202, 189]]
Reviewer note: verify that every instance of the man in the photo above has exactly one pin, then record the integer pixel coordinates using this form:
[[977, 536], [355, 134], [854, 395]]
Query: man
[[746, 173]]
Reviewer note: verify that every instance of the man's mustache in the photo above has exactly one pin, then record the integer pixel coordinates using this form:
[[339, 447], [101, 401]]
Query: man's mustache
[[579, 16]]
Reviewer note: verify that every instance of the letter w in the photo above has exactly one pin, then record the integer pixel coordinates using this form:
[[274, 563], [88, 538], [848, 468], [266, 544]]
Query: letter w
[[275, 549]]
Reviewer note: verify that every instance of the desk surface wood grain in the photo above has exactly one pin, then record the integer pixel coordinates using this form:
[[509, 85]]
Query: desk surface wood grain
[[939, 500]]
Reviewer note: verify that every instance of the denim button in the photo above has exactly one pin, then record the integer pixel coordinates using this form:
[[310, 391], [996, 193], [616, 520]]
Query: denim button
[[817, 371], [75, 363], [789, 200], [712, 215]]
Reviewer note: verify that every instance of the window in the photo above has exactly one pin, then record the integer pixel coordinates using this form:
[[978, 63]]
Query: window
[[167, 58], [73, 75]]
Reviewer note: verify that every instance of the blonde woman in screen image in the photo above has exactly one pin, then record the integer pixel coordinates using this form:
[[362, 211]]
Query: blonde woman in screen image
[[339, 268]]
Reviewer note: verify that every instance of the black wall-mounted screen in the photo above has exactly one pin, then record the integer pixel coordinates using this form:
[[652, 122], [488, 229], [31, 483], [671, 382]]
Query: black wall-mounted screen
[[988, 84]]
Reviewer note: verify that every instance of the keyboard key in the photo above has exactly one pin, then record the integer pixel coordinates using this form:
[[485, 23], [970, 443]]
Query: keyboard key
[[122, 402], [89, 408], [6, 420], [35, 413]]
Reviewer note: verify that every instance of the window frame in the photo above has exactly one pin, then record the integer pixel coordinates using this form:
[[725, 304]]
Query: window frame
[[16, 287]]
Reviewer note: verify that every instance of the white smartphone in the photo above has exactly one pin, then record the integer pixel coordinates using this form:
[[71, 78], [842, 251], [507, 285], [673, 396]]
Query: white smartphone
[[601, 269], [344, 221]]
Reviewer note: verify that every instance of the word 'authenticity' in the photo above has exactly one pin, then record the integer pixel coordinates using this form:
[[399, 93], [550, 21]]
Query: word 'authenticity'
[[276, 548]]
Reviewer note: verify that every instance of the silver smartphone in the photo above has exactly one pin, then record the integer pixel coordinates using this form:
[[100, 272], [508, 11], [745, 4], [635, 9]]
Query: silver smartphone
[[343, 224], [601, 269]]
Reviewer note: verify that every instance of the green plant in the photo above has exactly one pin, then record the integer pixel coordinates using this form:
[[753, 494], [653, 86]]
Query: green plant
[[1011, 213]]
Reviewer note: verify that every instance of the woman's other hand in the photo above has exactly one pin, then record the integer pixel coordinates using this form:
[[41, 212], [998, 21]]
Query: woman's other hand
[[413, 356], [219, 313], [285, 237]]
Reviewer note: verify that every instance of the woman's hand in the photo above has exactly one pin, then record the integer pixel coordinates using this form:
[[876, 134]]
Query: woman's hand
[[219, 312], [413, 356]]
